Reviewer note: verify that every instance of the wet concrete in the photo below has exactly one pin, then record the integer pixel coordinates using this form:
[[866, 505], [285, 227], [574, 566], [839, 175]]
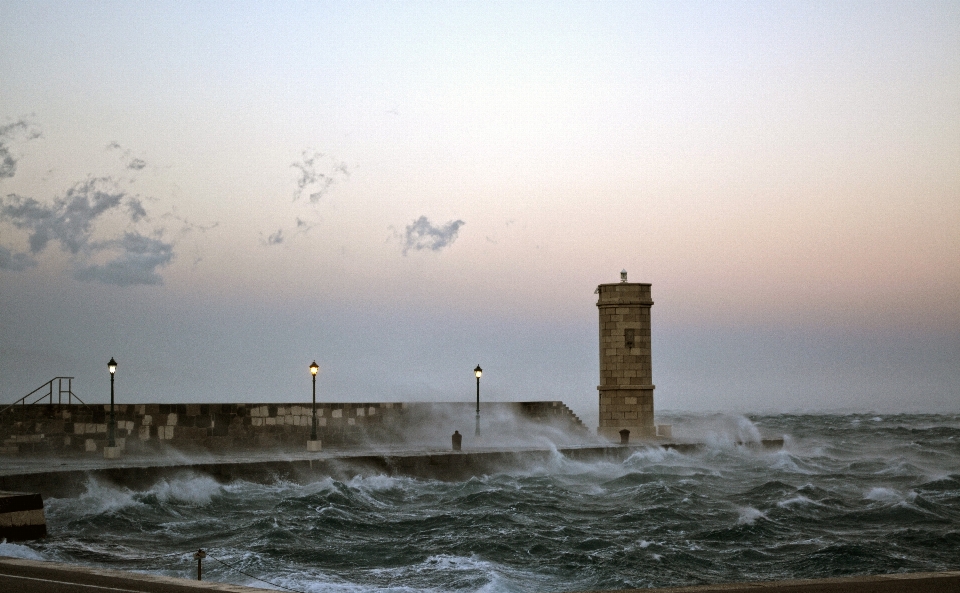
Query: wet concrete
[[65, 477], [29, 576]]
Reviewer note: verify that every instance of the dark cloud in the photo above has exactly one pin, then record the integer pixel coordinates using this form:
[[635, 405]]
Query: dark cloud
[[16, 262], [126, 156], [137, 261], [136, 209], [70, 220], [318, 173], [276, 238], [9, 133], [420, 234]]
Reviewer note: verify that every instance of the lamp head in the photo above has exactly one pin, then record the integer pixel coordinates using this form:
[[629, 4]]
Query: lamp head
[[623, 275], [478, 371], [112, 365], [314, 368]]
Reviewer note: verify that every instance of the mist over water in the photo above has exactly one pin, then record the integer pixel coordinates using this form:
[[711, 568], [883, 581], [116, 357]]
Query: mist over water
[[851, 494]]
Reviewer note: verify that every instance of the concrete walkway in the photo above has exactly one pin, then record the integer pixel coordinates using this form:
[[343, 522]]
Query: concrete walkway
[[29, 576]]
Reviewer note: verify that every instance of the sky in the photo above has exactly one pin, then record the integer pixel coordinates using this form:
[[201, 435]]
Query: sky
[[216, 194]]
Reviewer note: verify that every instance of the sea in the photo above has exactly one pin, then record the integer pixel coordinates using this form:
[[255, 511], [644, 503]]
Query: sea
[[848, 494]]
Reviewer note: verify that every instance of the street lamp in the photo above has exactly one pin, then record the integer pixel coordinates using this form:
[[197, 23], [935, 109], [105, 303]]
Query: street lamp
[[478, 371], [112, 366], [313, 371]]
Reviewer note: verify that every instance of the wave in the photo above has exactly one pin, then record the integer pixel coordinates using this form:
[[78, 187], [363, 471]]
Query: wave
[[834, 500]]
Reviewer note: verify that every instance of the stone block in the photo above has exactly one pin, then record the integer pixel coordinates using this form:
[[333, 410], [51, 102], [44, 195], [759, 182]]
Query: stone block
[[256, 421], [101, 428], [337, 413], [90, 445], [147, 420], [144, 433], [360, 412], [172, 419], [270, 421]]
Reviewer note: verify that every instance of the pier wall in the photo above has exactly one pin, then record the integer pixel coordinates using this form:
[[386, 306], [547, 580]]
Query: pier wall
[[83, 429]]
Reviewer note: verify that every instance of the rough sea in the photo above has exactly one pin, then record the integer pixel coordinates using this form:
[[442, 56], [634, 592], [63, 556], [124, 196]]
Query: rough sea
[[847, 495]]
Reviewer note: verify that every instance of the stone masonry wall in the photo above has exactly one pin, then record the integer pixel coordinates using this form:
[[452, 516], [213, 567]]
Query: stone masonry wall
[[82, 429], [626, 368]]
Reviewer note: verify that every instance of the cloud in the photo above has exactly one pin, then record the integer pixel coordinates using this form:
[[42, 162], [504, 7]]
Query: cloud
[[16, 262], [10, 133], [71, 220], [276, 238], [136, 209], [318, 173], [420, 234], [136, 263], [68, 220], [126, 157]]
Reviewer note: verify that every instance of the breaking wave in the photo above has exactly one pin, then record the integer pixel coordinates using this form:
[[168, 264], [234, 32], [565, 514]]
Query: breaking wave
[[854, 494]]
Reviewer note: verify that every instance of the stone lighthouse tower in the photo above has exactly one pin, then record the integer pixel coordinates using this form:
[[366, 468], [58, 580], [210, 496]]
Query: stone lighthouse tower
[[626, 371]]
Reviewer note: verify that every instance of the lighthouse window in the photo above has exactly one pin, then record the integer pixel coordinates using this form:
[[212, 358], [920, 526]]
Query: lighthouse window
[[628, 335]]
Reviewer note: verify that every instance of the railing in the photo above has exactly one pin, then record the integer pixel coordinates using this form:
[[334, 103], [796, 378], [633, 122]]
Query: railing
[[48, 394]]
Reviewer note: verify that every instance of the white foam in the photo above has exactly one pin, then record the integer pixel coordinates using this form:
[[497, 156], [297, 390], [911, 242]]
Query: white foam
[[98, 499], [19, 551], [749, 516], [197, 491], [796, 501], [887, 495]]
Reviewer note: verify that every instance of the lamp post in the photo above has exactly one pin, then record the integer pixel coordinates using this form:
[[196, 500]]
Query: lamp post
[[313, 371], [112, 442], [478, 371]]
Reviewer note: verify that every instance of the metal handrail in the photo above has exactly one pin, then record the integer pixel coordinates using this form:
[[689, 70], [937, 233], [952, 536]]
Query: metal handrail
[[48, 394]]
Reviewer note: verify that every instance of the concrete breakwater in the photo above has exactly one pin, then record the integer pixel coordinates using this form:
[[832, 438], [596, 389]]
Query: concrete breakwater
[[442, 465], [83, 429]]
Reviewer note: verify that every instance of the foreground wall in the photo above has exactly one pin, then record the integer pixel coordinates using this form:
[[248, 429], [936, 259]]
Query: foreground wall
[[145, 427]]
